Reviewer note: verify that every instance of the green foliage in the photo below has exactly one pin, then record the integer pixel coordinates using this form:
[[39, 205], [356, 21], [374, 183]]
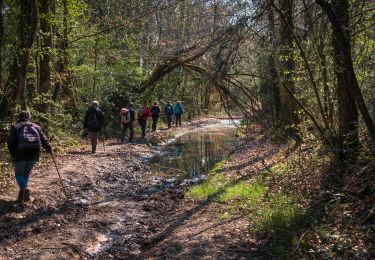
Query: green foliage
[[243, 192], [210, 187], [55, 120], [279, 214], [224, 216], [6, 169]]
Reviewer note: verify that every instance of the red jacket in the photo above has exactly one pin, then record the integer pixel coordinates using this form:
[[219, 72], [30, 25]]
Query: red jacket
[[144, 114]]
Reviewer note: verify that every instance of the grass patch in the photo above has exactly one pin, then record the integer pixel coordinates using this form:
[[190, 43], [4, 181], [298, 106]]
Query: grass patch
[[217, 185], [211, 186], [218, 166], [278, 214], [273, 213], [282, 218], [225, 216], [242, 191], [280, 168]]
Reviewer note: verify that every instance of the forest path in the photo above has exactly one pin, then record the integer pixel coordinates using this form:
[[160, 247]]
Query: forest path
[[117, 209]]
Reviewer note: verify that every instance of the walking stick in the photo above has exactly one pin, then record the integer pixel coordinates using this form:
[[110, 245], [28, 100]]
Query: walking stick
[[61, 182], [103, 133]]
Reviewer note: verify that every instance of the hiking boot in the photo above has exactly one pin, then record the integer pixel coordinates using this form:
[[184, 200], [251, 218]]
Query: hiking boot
[[26, 197], [21, 196]]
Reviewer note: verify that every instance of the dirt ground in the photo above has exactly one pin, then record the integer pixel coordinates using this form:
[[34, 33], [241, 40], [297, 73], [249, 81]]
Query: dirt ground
[[116, 209], [119, 209]]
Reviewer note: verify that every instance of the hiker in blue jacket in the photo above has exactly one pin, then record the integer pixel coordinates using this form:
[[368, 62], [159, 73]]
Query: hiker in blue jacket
[[168, 109], [24, 142], [178, 111]]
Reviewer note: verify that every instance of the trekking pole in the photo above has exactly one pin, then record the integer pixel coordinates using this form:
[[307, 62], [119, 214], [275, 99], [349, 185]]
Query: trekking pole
[[103, 133], [104, 142], [61, 182]]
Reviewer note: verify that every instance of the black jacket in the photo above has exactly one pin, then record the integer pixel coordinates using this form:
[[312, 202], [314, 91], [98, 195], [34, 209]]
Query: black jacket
[[132, 114], [99, 115], [19, 155]]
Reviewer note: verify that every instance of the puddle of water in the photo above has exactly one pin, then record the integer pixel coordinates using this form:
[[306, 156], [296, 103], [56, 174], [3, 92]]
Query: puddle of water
[[194, 154]]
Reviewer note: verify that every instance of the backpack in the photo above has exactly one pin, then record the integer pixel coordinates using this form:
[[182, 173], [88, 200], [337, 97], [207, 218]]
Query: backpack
[[92, 121], [178, 109], [154, 111], [125, 118], [168, 110], [140, 114], [29, 138]]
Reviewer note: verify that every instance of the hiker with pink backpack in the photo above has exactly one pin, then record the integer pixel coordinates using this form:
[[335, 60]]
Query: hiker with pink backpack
[[127, 117], [24, 142]]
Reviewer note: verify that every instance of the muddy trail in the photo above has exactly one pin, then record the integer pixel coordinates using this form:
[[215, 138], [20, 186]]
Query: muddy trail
[[118, 206]]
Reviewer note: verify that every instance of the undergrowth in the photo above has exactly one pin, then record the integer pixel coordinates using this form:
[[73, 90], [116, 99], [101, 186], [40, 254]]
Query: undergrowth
[[305, 205], [277, 214]]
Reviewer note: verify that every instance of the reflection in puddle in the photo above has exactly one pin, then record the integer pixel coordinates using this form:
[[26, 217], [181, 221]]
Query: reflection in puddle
[[194, 154]]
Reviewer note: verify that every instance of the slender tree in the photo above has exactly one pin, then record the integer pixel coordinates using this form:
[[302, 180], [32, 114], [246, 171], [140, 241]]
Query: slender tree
[[349, 93], [289, 116], [28, 20], [46, 45], [1, 43]]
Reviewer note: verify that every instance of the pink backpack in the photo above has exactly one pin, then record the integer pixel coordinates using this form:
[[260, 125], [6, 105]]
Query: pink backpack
[[125, 118]]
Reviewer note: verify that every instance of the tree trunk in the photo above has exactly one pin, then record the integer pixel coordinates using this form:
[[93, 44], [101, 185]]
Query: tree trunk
[[348, 113], [273, 69], [348, 87], [27, 29], [62, 54], [94, 87], [46, 46], [289, 116], [1, 43]]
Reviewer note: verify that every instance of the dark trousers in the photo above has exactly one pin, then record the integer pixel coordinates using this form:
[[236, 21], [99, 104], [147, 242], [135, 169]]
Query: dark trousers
[[169, 121], [143, 127], [154, 122], [125, 128], [178, 119], [94, 140]]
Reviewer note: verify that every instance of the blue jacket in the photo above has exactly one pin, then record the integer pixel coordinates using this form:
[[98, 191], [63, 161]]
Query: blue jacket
[[178, 110], [168, 109]]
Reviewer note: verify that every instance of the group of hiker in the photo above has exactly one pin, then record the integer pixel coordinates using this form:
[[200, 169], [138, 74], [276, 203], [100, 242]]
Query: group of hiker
[[94, 119], [26, 138], [128, 117]]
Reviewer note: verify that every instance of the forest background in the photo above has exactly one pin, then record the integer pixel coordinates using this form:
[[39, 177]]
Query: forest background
[[303, 68], [301, 71]]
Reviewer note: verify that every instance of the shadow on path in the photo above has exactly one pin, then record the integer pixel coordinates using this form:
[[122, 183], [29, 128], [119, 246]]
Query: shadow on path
[[179, 221], [12, 231], [7, 207]]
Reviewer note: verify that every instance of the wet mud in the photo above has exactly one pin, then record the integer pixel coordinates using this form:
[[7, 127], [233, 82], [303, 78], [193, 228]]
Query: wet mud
[[117, 203]]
